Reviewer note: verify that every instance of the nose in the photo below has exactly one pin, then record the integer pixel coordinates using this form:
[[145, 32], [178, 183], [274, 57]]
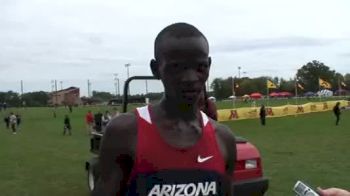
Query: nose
[[189, 76]]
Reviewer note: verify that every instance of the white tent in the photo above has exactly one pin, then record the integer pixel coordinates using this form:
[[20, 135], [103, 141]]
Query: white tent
[[325, 93]]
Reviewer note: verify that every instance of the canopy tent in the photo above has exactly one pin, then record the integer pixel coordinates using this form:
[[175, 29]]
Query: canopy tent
[[325, 93], [285, 94], [274, 94], [256, 95]]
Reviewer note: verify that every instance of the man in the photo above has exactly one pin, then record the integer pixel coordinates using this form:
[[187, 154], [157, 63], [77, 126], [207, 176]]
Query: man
[[13, 122], [170, 148], [336, 111], [207, 106], [89, 120], [67, 126], [262, 115]]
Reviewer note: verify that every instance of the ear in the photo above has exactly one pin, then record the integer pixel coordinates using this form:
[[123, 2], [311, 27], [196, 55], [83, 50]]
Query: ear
[[209, 61], [155, 68]]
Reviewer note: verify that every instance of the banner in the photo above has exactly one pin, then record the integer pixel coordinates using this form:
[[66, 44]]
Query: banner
[[270, 84], [279, 111], [324, 83]]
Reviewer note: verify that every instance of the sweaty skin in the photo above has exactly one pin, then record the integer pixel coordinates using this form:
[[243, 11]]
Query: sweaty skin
[[183, 70]]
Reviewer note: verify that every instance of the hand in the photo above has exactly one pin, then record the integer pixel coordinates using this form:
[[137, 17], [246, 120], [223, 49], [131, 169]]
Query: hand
[[333, 192]]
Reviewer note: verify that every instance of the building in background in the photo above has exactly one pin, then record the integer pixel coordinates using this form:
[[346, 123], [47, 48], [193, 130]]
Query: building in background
[[68, 96]]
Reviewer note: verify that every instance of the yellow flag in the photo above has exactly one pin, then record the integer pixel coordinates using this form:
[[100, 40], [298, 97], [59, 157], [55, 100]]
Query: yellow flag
[[324, 83], [270, 84], [342, 83], [300, 86]]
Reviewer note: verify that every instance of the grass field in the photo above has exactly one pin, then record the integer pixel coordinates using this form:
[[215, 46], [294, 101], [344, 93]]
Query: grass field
[[39, 161]]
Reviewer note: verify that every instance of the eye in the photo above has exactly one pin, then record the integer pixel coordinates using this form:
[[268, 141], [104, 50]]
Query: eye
[[202, 67]]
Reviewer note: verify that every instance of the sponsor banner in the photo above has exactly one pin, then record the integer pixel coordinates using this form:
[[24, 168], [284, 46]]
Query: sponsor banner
[[279, 111]]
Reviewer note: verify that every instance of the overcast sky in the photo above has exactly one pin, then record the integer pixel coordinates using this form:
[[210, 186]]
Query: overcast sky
[[75, 40]]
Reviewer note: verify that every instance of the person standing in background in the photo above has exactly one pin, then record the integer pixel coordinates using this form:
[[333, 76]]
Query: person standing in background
[[89, 120], [262, 115], [19, 120], [13, 122], [336, 111], [67, 127]]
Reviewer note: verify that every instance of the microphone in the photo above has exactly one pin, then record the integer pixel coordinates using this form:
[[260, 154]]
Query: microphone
[[302, 189]]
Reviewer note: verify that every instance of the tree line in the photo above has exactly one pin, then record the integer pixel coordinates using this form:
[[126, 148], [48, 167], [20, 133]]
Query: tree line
[[307, 76]]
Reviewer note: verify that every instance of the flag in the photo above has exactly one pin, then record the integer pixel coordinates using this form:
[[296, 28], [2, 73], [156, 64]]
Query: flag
[[270, 84], [300, 86], [324, 83], [343, 84]]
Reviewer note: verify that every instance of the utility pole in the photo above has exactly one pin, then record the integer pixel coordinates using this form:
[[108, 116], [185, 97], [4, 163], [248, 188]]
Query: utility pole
[[56, 91], [116, 84], [21, 88], [239, 71], [61, 82], [146, 87], [89, 86], [127, 73], [127, 69]]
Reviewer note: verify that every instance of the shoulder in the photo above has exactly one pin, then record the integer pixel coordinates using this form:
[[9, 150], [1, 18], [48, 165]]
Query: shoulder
[[227, 145], [224, 133], [120, 134], [124, 124]]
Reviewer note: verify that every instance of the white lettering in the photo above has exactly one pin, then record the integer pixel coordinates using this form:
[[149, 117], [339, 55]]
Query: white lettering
[[173, 190], [212, 189], [155, 191], [166, 189], [192, 187], [180, 189], [201, 189]]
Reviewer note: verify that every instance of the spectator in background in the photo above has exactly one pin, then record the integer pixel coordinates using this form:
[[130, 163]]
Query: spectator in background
[[13, 122], [70, 108], [262, 115], [105, 119], [67, 126], [98, 121], [207, 106], [7, 121], [89, 120], [19, 120], [115, 112], [336, 111]]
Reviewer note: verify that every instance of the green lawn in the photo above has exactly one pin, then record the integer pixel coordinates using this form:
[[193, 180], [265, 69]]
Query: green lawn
[[39, 161]]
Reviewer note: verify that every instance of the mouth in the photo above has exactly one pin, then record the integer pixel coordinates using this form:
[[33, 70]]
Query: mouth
[[190, 92]]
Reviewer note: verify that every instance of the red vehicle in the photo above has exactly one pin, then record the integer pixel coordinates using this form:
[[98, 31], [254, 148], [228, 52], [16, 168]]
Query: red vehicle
[[248, 175]]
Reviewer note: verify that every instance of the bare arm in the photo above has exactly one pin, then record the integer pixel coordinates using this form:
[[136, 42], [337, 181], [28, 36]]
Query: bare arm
[[228, 148], [116, 156]]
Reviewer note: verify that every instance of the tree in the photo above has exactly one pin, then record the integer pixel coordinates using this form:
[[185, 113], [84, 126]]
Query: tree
[[310, 73], [103, 96], [347, 80], [287, 85], [11, 98], [35, 99], [222, 88]]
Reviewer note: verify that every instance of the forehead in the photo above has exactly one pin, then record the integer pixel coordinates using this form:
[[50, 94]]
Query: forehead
[[183, 48]]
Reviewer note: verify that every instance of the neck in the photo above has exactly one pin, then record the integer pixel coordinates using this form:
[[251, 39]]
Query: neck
[[175, 109]]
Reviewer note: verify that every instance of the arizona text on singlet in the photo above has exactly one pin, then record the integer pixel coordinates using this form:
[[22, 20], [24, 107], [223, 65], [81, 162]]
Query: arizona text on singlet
[[163, 170]]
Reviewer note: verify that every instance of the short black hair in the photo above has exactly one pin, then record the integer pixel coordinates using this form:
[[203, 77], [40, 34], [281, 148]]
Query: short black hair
[[177, 30]]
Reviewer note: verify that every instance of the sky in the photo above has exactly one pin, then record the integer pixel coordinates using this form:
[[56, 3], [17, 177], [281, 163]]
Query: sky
[[72, 41]]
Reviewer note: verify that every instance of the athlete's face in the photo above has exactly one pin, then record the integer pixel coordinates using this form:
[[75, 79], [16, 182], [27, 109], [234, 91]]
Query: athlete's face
[[183, 67]]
